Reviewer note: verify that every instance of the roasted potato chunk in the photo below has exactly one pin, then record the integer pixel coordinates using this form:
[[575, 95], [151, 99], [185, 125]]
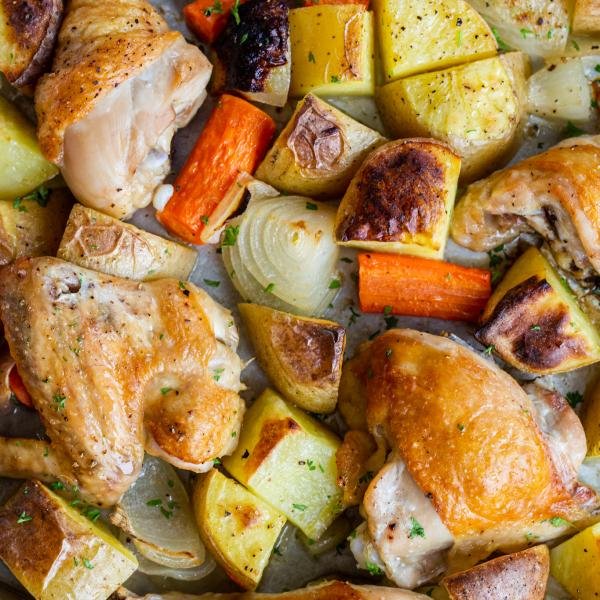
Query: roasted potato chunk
[[23, 168], [96, 241], [301, 356], [57, 553], [239, 529], [332, 50], [534, 322], [253, 53], [476, 108], [318, 151], [288, 459], [32, 225], [401, 199], [586, 16], [574, 564], [591, 420], [28, 31], [461, 35], [521, 575]]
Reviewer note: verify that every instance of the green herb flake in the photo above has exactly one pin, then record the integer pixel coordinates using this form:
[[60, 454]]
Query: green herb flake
[[216, 462], [387, 309], [488, 351], [416, 529], [311, 57], [154, 502], [215, 9], [165, 390], [335, 284], [92, 513], [373, 569], [390, 322], [244, 38], [311, 206], [87, 564], [460, 427], [277, 551], [575, 45], [204, 219], [346, 260], [57, 485], [212, 282], [502, 45], [235, 12], [535, 328], [269, 288], [24, 518], [230, 235], [59, 401], [574, 398], [335, 79], [217, 373], [558, 522], [571, 130], [301, 507], [525, 33]]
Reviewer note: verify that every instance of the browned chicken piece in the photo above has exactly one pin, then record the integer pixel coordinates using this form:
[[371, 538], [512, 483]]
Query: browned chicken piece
[[523, 575], [122, 83], [476, 463], [556, 194], [114, 366], [332, 590]]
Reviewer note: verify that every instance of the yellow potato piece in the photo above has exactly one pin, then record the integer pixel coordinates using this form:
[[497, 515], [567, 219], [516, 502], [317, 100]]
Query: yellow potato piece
[[239, 529], [416, 37], [332, 50]]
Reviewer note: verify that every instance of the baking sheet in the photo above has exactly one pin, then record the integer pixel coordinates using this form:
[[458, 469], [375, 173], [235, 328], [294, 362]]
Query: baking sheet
[[294, 566]]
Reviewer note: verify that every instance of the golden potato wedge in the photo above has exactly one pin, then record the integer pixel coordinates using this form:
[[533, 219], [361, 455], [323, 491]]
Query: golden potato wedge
[[534, 322], [586, 16], [401, 199], [406, 43], [318, 151], [476, 108], [521, 575], [23, 168], [332, 50], [288, 459], [97, 241], [301, 356], [32, 225], [591, 419], [28, 31], [55, 552], [239, 529], [574, 564]]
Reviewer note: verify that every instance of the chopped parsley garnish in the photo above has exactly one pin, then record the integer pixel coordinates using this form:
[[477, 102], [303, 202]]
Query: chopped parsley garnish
[[460, 427], [373, 569], [388, 353], [269, 288], [366, 477], [40, 196], [355, 315], [216, 8], [301, 507], [216, 462], [558, 522], [575, 45], [525, 33], [204, 220], [416, 529], [535, 328], [502, 45], [311, 206], [59, 400], [335, 79], [154, 502], [230, 235], [92, 513], [387, 309], [217, 373], [277, 551], [235, 12], [165, 390], [184, 289], [212, 282], [57, 485], [334, 284], [24, 518], [488, 351], [311, 465], [574, 398], [244, 38], [571, 130], [311, 57], [87, 564]]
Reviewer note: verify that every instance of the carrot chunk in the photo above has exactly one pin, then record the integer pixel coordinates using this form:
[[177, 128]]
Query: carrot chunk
[[208, 18], [17, 387], [420, 287]]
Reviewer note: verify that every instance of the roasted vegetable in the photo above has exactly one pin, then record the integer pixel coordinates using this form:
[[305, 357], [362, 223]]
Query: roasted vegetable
[[560, 91], [332, 50], [96, 241], [401, 199], [501, 577], [234, 139], [574, 564], [476, 108], [591, 419], [281, 253], [253, 53], [156, 513], [318, 151], [32, 224], [416, 37], [28, 31], [534, 322], [207, 18], [288, 459], [586, 17], [302, 357], [22, 166], [420, 287], [55, 552], [239, 529], [538, 28]]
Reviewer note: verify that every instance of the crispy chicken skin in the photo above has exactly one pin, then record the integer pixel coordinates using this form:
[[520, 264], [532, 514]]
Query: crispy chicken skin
[[491, 465], [332, 590], [121, 84], [114, 365], [555, 193]]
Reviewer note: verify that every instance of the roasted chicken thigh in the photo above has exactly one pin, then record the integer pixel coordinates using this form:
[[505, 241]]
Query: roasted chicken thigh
[[121, 84], [114, 367], [474, 462]]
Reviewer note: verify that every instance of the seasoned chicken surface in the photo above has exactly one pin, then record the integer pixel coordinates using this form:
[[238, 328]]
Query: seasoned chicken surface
[[475, 466], [332, 590], [122, 83], [114, 366], [556, 194]]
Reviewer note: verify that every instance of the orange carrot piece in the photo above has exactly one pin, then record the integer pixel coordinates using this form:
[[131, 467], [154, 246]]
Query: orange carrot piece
[[208, 18], [235, 139], [17, 387], [365, 3], [420, 287]]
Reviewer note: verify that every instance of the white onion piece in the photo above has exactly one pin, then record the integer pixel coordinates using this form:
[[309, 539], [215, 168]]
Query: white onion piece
[[589, 473], [156, 513], [537, 27], [561, 91], [289, 250], [162, 195]]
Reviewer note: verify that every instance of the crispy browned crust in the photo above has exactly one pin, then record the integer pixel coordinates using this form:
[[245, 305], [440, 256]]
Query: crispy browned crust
[[529, 332], [399, 190], [522, 575], [351, 460], [438, 404], [101, 45], [31, 30]]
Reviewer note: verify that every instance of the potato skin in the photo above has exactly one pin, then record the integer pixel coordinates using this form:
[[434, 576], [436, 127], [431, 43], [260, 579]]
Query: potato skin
[[521, 575], [586, 16], [30, 28], [401, 199], [302, 356]]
